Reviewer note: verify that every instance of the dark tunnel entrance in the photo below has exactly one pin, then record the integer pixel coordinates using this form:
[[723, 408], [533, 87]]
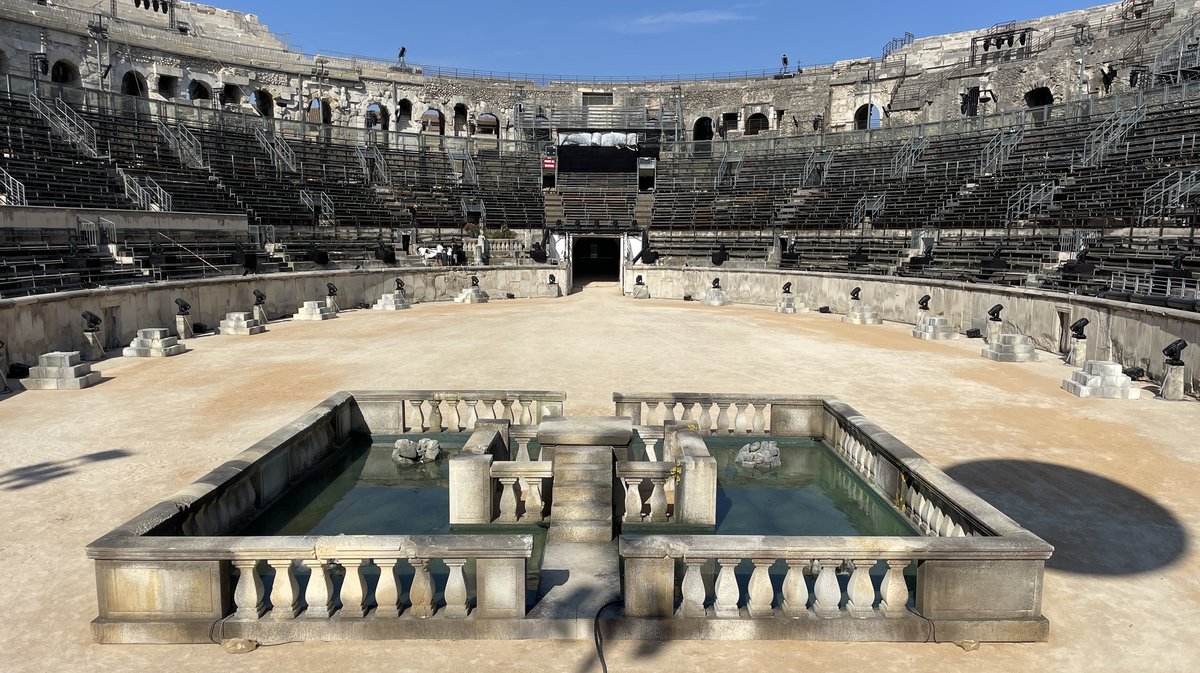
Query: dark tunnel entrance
[[595, 259]]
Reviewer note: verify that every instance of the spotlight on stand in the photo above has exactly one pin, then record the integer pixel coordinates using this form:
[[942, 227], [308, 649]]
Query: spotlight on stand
[[994, 312], [91, 322], [399, 285], [716, 284], [923, 302], [1173, 351], [787, 288], [474, 281], [638, 281], [184, 307], [854, 293], [1077, 328], [259, 298], [553, 280], [332, 289]]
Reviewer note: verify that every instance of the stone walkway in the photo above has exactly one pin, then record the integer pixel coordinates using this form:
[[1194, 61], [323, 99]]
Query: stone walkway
[[1110, 483]]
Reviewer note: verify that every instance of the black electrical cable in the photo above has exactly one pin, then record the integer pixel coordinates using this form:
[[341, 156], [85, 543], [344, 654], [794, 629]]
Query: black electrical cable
[[599, 638]]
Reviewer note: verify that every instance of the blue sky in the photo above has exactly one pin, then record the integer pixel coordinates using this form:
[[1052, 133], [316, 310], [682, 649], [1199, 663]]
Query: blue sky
[[623, 37]]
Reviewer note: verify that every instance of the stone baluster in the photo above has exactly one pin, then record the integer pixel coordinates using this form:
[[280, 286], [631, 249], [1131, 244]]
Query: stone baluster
[[651, 451], [826, 592], [658, 500], [533, 500], [740, 422], [507, 413], [416, 415], [456, 589], [522, 448], [957, 531], [668, 411], [472, 415], [761, 592], [508, 500], [860, 592], [526, 414], [946, 527], [726, 603], [652, 413], [704, 421], [760, 419], [633, 500], [354, 589], [435, 415], [285, 590], [893, 591], [688, 407], [387, 591], [722, 419], [692, 589], [453, 420], [795, 589], [489, 409], [248, 596], [420, 594], [319, 592]]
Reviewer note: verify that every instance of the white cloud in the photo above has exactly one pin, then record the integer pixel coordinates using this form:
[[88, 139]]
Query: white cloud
[[667, 21]]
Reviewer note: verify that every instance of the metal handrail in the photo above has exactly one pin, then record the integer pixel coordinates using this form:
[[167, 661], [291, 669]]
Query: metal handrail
[[13, 189]]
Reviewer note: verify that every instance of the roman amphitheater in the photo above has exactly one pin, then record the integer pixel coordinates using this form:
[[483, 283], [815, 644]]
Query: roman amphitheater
[[336, 363]]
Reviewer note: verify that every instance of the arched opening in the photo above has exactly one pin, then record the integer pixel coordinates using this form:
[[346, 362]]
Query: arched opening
[[198, 90], [403, 114], [168, 86], [433, 121], [65, 72], [1039, 97], [866, 117], [489, 124], [460, 118], [595, 259], [319, 112], [757, 123], [376, 117], [133, 84], [231, 94], [702, 130], [264, 102]]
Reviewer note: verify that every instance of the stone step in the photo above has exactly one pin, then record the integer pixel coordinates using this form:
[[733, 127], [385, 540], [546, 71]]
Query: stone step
[[71, 372], [585, 454], [1012, 348], [579, 510], [581, 531], [574, 491], [582, 473], [1009, 357], [59, 359], [85, 381], [154, 333]]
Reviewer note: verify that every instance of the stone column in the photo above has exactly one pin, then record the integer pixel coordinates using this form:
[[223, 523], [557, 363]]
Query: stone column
[[1078, 354], [248, 595], [1172, 387], [285, 591], [183, 327], [994, 329], [387, 592]]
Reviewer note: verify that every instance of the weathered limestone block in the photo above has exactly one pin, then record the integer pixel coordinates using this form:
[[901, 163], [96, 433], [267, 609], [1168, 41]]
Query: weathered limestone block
[[183, 327], [424, 450], [994, 329], [763, 455], [641, 292], [92, 350], [1011, 348], [716, 297], [472, 295], [61, 371], [1103, 380], [787, 304], [314, 310], [934, 327], [862, 314], [155, 342], [391, 302], [240, 323], [1078, 355], [1172, 387]]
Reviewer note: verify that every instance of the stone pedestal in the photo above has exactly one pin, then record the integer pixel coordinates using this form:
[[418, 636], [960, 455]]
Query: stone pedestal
[[715, 297], [641, 292], [787, 304], [391, 302], [550, 290], [1011, 348], [155, 342], [862, 314], [260, 315], [183, 327], [472, 295], [240, 323], [60, 371], [1077, 356], [93, 349], [332, 305], [314, 310], [1172, 387], [934, 328], [994, 329], [1101, 379]]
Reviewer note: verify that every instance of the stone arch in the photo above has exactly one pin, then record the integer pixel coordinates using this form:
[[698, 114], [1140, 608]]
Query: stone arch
[[133, 83], [488, 124], [757, 123], [199, 90], [460, 118], [702, 129], [404, 109], [232, 94], [433, 121], [867, 116], [377, 116], [264, 102], [64, 72], [1039, 97], [320, 111]]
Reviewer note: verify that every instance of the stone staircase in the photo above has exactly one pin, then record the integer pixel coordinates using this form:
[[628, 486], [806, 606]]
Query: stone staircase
[[554, 208], [583, 486], [643, 209]]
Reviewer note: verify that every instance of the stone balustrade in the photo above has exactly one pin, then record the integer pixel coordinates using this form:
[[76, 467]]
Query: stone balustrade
[[522, 484], [831, 577], [721, 414], [645, 486], [435, 411]]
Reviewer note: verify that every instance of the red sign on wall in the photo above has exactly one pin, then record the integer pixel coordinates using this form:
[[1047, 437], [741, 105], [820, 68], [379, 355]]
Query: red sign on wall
[[549, 164]]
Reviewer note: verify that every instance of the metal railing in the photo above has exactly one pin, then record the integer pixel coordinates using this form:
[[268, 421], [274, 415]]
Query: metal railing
[[189, 146], [95, 232], [1178, 54], [907, 156], [998, 149], [383, 176], [1169, 193], [1150, 285], [157, 197], [819, 158], [14, 191], [134, 190], [1109, 134], [1029, 198], [870, 205], [327, 217]]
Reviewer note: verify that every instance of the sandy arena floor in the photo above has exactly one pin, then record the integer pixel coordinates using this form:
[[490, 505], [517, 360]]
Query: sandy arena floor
[[1111, 484]]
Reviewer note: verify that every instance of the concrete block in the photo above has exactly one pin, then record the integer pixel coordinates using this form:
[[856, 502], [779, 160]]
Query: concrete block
[[93, 350], [715, 297], [1172, 387], [585, 431], [862, 314], [59, 359]]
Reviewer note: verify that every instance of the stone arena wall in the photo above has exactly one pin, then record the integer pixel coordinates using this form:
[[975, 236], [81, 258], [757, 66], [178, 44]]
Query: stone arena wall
[[51, 322], [1128, 333]]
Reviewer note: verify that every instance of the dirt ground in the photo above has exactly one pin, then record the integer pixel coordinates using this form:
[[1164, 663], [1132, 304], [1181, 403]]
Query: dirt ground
[[1110, 483]]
